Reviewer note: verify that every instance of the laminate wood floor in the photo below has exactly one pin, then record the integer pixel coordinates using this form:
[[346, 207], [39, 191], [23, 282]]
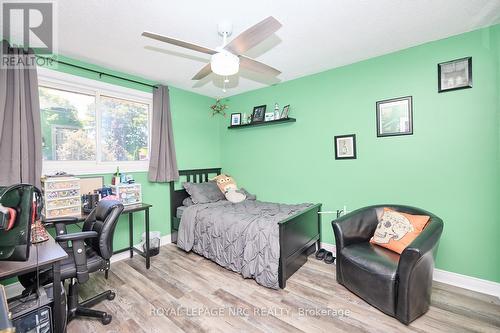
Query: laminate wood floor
[[184, 292]]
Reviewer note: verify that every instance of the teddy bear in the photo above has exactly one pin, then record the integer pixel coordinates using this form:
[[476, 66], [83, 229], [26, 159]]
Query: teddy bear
[[228, 186]]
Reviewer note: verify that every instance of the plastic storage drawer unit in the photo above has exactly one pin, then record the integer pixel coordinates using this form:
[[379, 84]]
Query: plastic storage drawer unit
[[61, 197], [128, 194]]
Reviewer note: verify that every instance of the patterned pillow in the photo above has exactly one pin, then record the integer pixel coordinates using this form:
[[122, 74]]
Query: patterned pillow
[[397, 230]]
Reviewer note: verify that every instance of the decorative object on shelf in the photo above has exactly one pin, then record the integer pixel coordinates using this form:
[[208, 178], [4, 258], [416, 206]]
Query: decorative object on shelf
[[269, 116], [219, 108], [284, 113], [277, 114], [345, 147], [258, 113], [455, 74], [235, 119], [244, 118], [395, 117]]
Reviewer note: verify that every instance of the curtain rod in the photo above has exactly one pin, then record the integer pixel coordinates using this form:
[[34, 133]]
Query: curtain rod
[[98, 72]]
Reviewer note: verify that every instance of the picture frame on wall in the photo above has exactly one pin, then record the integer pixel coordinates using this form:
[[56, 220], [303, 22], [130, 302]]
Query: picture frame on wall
[[235, 119], [345, 147], [258, 114], [455, 74], [395, 116]]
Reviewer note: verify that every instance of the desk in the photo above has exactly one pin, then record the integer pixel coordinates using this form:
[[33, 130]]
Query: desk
[[50, 254], [130, 210]]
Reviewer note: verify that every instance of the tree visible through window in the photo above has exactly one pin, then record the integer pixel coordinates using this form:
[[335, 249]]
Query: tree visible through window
[[69, 127], [124, 130]]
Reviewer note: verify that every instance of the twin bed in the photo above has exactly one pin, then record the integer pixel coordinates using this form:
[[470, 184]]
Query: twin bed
[[264, 241]]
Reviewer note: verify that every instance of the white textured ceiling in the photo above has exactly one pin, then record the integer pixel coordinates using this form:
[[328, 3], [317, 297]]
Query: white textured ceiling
[[316, 35]]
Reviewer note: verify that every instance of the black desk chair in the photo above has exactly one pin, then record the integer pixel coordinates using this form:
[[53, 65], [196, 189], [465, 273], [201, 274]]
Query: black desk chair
[[398, 285], [89, 252]]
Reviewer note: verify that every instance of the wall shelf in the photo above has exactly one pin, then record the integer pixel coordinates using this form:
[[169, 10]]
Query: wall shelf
[[264, 123]]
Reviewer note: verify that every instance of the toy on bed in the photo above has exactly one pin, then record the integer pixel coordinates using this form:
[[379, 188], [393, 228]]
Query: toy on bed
[[228, 186]]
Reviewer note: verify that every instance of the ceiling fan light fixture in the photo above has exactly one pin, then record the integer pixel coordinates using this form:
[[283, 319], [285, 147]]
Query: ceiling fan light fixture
[[225, 63]]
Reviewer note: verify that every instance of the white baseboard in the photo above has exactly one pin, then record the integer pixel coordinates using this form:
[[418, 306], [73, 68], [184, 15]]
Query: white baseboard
[[329, 247], [454, 279], [467, 282], [125, 255], [165, 240], [15, 289]]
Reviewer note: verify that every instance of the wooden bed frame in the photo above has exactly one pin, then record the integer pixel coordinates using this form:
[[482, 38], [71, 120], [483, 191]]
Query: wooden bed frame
[[299, 234]]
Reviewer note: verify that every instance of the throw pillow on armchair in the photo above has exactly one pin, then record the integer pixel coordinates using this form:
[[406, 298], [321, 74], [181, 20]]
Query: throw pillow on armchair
[[396, 230]]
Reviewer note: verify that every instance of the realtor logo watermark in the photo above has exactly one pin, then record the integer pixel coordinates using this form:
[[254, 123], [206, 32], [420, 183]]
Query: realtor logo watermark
[[28, 25]]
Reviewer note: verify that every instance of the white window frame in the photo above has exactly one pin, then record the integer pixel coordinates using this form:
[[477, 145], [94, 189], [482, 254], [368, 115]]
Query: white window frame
[[63, 81]]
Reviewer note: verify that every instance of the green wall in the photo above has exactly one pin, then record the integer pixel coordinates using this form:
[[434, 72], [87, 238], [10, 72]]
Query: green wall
[[449, 166], [196, 137]]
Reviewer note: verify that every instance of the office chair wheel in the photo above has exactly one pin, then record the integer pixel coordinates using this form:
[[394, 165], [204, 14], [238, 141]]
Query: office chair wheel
[[106, 319], [111, 296]]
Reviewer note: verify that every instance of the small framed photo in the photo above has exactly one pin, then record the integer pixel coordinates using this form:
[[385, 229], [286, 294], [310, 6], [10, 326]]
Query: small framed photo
[[345, 147], [235, 119], [395, 117], [258, 114], [284, 113], [455, 74]]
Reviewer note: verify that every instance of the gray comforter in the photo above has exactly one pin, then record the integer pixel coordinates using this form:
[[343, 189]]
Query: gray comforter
[[243, 237]]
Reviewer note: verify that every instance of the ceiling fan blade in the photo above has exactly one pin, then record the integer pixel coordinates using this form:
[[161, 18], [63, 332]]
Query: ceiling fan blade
[[257, 66], [178, 42], [206, 70], [253, 35]]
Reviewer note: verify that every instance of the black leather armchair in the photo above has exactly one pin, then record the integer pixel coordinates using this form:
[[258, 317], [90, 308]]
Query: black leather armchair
[[89, 251], [398, 285]]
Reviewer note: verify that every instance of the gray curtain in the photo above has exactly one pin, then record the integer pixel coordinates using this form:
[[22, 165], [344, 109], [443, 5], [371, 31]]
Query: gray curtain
[[162, 162], [20, 130]]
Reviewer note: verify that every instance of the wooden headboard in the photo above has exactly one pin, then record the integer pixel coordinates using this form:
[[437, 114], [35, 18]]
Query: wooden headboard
[[178, 195]]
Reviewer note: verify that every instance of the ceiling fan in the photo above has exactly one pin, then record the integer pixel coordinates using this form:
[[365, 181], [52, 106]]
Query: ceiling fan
[[227, 59]]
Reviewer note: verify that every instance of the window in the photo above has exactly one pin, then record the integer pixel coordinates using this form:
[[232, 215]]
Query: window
[[68, 125], [89, 126], [124, 130]]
